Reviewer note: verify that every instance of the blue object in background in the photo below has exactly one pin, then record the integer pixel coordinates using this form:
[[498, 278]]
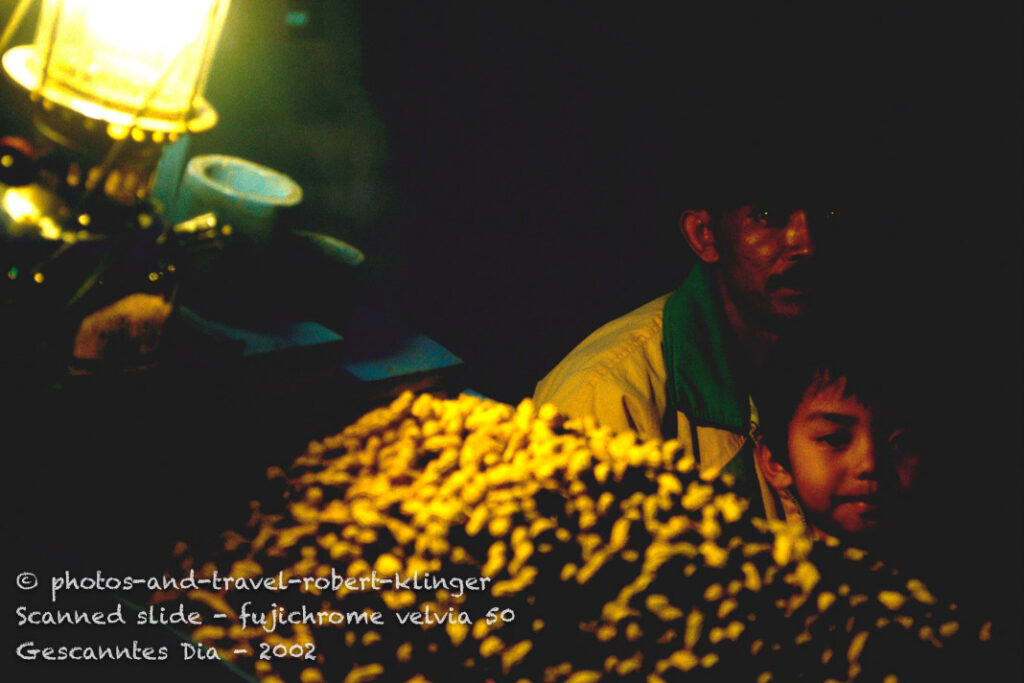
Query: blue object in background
[[173, 157], [270, 337], [243, 194], [381, 348]]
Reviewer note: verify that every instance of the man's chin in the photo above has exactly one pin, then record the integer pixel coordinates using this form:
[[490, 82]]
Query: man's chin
[[778, 311], [790, 304], [785, 314]]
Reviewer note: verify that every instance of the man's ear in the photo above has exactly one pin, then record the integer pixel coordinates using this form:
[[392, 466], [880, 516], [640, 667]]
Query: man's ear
[[777, 476], [696, 228]]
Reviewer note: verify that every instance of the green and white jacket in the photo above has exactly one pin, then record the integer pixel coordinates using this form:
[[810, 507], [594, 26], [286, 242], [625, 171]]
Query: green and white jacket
[[668, 370]]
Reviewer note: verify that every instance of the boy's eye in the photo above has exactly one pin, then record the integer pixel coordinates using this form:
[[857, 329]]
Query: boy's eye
[[836, 440]]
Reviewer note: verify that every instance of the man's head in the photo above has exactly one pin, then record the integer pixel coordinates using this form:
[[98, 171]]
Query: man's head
[[836, 438], [765, 257]]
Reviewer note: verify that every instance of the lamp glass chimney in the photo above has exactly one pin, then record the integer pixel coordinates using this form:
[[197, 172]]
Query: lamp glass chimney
[[126, 61]]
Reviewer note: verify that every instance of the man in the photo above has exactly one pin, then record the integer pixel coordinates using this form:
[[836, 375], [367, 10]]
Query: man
[[681, 366]]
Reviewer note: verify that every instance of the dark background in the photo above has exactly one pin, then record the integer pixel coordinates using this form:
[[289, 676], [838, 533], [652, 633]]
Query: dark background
[[514, 173]]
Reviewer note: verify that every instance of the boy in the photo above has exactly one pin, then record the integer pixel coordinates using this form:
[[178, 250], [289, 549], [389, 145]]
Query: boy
[[834, 438]]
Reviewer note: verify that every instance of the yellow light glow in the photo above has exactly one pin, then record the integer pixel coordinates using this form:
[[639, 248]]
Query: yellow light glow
[[149, 37], [124, 51], [19, 207], [122, 60], [49, 229]]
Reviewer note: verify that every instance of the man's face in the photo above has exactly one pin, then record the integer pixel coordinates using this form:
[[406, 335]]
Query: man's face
[[766, 257], [847, 465]]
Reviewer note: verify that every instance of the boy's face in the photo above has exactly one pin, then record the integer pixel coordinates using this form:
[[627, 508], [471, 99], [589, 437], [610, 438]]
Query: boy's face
[[846, 462]]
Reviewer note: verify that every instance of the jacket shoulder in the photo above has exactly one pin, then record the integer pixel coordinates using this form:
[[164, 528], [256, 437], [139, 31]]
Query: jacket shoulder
[[616, 374]]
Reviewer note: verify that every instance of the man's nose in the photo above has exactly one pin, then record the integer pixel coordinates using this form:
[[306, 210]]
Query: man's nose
[[798, 237]]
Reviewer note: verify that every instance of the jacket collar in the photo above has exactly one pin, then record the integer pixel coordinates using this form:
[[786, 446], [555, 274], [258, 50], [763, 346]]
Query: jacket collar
[[703, 379]]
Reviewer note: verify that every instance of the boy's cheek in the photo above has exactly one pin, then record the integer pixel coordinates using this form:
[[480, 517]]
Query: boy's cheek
[[813, 498], [815, 484]]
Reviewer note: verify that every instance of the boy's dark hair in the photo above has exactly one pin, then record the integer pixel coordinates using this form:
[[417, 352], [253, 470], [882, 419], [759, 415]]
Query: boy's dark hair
[[870, 365]]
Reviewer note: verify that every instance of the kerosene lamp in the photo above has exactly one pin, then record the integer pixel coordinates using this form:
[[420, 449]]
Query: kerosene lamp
[[87, 262]]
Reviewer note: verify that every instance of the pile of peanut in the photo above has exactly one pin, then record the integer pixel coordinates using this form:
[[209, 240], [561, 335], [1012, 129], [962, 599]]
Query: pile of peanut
[[606, 558]]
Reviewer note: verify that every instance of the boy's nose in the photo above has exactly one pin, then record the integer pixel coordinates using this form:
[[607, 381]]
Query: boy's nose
[[865, 460]]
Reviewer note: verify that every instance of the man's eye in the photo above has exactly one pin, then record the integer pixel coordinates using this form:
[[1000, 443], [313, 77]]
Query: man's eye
[[772, 217], [837, 440], [828, 218]]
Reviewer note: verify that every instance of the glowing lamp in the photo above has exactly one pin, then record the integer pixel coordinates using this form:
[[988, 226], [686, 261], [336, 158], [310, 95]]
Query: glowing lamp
[[133, 63]]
